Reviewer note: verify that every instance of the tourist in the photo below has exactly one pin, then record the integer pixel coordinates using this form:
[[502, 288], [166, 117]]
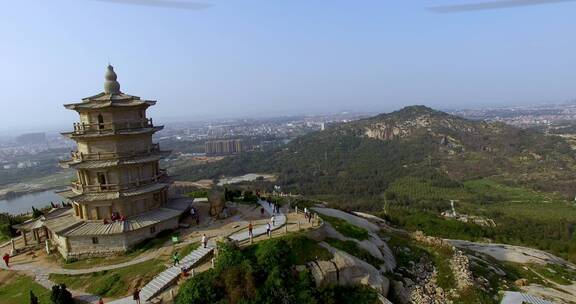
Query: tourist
[[197, 220], [261, 211], [6, 259], [100, 301], [136, 295], [250, 227], [176, 258], [204, 240], [192, 212], [305, 211], [273, 220], [268, 230], [183, 272]]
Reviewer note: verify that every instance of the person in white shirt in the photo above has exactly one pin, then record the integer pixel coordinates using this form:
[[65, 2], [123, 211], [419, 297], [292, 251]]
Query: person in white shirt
[[204, 240], [268, 230], [273, 220]]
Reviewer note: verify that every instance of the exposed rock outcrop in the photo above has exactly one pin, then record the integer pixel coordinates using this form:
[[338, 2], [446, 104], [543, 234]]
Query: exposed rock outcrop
[[374, 245], [421, 288], [460, 265], [346, 269]]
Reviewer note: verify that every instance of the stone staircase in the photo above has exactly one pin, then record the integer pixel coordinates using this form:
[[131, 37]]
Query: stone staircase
[[514, 297], [170, 275]]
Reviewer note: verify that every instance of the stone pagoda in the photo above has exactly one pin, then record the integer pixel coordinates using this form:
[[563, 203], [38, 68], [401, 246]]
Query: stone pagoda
[[120, 196]]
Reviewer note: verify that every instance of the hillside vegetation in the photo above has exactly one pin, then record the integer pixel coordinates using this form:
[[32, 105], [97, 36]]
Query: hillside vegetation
[[408, 165]]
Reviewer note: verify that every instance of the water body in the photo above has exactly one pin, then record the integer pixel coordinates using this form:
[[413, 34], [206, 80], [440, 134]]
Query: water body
[[24, 203]]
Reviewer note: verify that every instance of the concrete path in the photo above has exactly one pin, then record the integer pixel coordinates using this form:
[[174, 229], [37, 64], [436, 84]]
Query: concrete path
[[40, 268], [279, 221]]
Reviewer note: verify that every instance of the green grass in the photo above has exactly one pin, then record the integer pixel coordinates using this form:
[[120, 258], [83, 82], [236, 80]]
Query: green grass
[[352, 248], [112, 283], [346, 228], [555, 273], [423, 189], [15, 289], [523, 216], [307, 250], [303, 249]]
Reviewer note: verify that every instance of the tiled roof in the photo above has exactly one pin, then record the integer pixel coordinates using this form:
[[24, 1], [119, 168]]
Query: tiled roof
[[104, 100], [61, 220], [114, 132], [143, 220], [94, 164], [104, 196]]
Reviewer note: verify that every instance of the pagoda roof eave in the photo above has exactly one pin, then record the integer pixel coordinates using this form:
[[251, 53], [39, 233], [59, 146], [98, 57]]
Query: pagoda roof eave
[[93, 164], [106, 196], [104, 100], [105, 133]]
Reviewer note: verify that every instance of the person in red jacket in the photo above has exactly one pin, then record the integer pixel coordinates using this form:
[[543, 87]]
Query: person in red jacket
[[6, 259]]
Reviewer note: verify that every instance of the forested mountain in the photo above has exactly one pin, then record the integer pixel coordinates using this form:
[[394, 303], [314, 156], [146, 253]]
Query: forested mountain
[[362, 158]]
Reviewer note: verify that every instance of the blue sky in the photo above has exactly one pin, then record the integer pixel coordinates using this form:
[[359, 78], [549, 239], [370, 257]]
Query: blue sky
[[261, 57]]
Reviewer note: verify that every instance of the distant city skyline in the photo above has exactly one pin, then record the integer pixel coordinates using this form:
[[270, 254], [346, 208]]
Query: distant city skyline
[[249, 58]]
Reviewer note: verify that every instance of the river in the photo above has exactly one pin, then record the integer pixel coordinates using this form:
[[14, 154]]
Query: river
[[24, 203]]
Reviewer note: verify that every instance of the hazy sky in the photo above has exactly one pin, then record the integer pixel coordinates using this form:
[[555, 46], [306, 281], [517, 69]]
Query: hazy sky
[[255, 57]]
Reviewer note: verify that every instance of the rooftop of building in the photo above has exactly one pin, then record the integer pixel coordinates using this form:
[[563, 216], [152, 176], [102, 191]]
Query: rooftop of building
[[112, 195], [110, 97], [62, 220]]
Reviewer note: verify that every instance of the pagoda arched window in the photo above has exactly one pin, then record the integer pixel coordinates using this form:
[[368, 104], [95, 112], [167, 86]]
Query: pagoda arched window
[[100, 121]]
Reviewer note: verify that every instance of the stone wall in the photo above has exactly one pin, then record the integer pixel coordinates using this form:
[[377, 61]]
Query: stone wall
[[82, 247]]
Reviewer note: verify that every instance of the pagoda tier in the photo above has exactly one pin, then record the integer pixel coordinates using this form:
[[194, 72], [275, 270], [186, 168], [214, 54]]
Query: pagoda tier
[[81, 160]]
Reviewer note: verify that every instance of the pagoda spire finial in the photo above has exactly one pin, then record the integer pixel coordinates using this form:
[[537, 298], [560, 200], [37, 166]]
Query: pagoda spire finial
[[111, 86]]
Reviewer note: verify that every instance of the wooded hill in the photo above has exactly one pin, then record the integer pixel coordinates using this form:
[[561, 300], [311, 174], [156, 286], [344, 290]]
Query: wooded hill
[[362, 158]]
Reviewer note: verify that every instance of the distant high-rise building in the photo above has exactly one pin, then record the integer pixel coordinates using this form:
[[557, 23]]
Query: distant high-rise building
[[224, 147]]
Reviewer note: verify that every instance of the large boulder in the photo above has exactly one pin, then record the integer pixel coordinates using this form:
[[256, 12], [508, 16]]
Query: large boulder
[[346, 269], [374, 244]]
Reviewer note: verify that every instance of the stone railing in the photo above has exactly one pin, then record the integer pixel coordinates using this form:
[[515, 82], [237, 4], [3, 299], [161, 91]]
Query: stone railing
[[80, 188], [79, 156], [81, 128]]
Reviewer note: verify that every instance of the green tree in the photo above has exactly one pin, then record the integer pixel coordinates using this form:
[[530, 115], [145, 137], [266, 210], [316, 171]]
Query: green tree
[[60, 295], [201, 289]]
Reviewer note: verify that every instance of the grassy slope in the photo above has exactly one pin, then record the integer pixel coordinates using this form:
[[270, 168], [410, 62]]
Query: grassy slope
[[15, 289], [112, 283], [523, 216]]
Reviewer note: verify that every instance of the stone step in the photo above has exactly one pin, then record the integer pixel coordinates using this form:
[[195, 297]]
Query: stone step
[[164, 279]]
